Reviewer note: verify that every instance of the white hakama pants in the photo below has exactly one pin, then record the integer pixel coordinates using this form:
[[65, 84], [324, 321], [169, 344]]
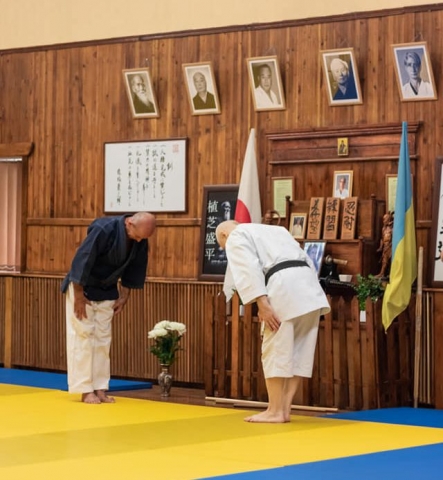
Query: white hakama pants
[[290, 350], [88, 342]]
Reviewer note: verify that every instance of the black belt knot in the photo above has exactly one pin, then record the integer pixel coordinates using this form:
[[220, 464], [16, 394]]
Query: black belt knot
[[282, 266]]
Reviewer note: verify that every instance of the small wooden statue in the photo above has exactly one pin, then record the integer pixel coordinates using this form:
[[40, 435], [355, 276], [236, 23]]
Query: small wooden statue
[[272, 217], [386, 243]]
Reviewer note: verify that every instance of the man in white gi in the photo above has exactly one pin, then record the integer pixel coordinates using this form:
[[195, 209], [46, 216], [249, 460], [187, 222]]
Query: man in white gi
[[269, 267], [111, 261]]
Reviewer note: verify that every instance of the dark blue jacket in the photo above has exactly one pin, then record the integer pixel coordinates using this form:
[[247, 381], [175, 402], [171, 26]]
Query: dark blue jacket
[[105, 256]]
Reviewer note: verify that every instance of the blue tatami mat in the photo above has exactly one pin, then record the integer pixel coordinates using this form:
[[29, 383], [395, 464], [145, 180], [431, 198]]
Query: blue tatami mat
[[419, 417], [58, 381], [408, 464]]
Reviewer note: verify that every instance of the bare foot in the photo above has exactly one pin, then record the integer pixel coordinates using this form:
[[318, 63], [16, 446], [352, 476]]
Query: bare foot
[[90, 397], [103, 398], [267, 417]]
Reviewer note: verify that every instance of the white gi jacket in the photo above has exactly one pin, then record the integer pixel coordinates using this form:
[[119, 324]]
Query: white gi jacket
[[252, 249]]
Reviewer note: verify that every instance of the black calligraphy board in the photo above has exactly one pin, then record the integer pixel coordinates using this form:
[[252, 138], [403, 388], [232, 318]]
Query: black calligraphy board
[[219, 203]]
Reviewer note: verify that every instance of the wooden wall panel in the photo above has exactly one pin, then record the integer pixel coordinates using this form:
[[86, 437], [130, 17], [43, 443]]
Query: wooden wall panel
[[2, 319], [71, 100], [38, 327]]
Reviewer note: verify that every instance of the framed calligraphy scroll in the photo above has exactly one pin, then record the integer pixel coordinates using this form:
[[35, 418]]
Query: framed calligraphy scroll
[[219, 203], [437, 227], [145, 176], [349, 218], [315, 218]]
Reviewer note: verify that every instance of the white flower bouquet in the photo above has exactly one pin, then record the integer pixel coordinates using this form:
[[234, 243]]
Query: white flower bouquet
[[167, 336]]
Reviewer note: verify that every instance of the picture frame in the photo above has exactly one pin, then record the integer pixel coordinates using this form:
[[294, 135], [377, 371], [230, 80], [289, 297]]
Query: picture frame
[[391, 190], [342, 187], [201, 88], [412, 63], [341, 77], [281, 188], [437, 227], [145, 175], [316, 252], [141, 96], [216, 200], [265, 83], [297, 225], [342, 147]]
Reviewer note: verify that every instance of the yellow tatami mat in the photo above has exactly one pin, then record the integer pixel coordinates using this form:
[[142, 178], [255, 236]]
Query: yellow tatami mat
[[49, 434]]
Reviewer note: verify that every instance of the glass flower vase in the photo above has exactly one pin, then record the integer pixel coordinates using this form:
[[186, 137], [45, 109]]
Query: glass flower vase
[[165, 380]]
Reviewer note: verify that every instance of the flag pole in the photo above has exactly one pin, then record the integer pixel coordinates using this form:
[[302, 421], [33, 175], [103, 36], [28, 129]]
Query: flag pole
[[418, 315]]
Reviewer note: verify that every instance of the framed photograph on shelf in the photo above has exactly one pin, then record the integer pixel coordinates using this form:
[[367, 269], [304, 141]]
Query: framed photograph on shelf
[[437, 227], [316, 252], [341, 75], [219, 203], [265, 82], [414, 75], [281, 188], [201, 88], [140, 93], [342, 184], [297, 225]]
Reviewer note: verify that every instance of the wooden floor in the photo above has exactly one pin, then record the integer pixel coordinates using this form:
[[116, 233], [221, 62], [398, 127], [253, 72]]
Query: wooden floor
[[188, 396], [197, 396]]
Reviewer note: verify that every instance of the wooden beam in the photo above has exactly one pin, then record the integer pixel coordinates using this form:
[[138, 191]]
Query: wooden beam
[[251, 404], [23, 149]]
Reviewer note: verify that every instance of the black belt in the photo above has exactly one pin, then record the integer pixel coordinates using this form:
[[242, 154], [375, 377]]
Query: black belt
[[282, 266]]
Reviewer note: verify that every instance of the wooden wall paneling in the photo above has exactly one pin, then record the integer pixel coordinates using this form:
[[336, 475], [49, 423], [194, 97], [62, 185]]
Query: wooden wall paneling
[[69, 101], [327, 375], [343, 355], [438, 334], [356, 355], [2, 319]]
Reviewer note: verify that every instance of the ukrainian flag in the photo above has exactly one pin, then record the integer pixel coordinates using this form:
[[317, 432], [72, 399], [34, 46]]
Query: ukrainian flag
[[404, 252]]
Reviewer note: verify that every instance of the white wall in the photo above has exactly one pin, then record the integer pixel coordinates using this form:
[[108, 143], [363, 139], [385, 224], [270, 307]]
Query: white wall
[[44, 22]]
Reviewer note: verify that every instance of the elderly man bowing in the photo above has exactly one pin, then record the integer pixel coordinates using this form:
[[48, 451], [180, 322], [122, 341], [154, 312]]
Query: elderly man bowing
[[269, 267]]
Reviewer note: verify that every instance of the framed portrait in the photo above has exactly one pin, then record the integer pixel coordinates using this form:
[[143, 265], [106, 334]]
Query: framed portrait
[[342, 184], [219, 203], [147, 175], [437, 227], [414, 72], [341, 77], [140, 93], [281, 188], [265, 82], [316, 252], [297, 225], [201, 88], [342, 147]]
